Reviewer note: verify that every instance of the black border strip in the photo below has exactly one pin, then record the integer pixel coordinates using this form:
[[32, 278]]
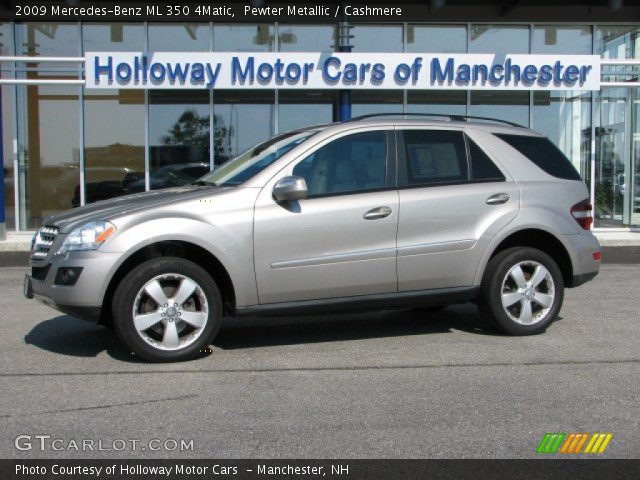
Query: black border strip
[[555, 468]]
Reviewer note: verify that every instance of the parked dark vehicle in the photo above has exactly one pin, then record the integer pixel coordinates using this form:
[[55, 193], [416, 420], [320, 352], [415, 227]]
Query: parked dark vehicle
[[104, 183], [170, 176]]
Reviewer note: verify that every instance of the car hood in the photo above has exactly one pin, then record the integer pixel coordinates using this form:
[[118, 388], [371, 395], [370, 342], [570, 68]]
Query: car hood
[[115, 207]]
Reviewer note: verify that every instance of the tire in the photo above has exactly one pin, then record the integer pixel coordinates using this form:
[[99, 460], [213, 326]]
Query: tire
[[510, 298], [162, 332]]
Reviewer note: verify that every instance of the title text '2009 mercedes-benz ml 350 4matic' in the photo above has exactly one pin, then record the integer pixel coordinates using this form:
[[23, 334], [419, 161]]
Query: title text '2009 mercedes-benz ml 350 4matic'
[[372, 213]]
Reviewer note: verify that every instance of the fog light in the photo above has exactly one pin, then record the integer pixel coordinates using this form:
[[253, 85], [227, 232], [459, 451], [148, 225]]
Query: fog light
[[67, 275]]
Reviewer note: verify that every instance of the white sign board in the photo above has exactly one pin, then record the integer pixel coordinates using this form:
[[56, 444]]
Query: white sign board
[[328, 70]]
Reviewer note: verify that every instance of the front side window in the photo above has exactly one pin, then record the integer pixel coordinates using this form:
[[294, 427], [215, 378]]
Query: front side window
[[349, 164], [433, 157]]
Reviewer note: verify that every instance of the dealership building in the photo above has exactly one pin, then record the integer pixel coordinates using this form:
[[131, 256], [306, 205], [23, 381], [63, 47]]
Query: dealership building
[[90, 117]]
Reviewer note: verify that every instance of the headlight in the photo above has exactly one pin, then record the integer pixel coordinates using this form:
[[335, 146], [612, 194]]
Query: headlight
[[88, 237]]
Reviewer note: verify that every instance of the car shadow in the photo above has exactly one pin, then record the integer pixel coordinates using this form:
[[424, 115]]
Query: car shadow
[[274, 331], [67, 335], [70, 336]]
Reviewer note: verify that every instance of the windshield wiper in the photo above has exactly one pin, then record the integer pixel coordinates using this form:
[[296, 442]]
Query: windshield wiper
[[204, 183]]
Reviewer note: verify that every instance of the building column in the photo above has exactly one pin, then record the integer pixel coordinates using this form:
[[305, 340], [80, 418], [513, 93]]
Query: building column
[[3, 229], [343, 43]]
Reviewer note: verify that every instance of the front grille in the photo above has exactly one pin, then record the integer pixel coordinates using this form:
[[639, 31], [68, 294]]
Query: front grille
[[43, 241]]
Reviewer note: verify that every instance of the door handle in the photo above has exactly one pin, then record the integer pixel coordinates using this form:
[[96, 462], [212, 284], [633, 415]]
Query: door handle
[[498, 198], [376, 213]]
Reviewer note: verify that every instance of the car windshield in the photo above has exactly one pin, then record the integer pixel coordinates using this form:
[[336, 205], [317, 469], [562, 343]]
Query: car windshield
[[254, 160]]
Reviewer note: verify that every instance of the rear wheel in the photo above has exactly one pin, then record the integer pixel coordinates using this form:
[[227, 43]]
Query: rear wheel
[[167, 309], [522, 291]]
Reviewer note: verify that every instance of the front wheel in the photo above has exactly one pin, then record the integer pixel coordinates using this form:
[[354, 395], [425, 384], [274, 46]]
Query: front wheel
[[167, 309], [522, 291]]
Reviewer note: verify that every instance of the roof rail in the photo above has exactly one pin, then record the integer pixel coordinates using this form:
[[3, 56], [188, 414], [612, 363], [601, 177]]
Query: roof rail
[[452, 118]]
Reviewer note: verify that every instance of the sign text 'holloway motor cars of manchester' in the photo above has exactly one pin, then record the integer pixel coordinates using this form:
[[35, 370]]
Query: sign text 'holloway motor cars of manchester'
[[305, 70]]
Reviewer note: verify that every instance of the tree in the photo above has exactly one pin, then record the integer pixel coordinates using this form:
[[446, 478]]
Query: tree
[[192, 130]]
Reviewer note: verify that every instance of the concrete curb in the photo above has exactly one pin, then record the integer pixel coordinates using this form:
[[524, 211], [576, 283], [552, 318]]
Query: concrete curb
[[6, 247], [619, 239], [16, 242]]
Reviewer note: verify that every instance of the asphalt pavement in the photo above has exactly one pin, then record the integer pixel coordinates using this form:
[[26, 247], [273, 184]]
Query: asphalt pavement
[[385, 384]]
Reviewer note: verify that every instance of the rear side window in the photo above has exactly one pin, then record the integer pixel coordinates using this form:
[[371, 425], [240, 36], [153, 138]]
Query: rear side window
[[482, 167], [433, 157], [544, 154]]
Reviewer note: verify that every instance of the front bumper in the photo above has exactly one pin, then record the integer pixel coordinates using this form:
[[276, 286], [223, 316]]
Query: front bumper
[[84, 298]]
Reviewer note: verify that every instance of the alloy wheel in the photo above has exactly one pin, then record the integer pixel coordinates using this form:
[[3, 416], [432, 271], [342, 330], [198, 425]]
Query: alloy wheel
[[170, 311], [527, 292]]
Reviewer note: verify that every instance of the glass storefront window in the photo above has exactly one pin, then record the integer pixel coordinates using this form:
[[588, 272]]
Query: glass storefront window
[[499, 39], [617, 135], [179, 122], [561, 39], [377, 38], [6, 91], [565, 117], [446, 102], [179, 37], [7, 154], [243, 38], [610, 150], [48, 151], [617, 167], [48, 40], [297, 109], [113, 37], [613, 41], [306, 38], [616, 42], [114, 150], [364, 102], [241, 119], [178, 138], [511, 106], [632, 181], [436, 38]]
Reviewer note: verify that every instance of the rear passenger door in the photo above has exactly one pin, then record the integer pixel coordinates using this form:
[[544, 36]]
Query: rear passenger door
[[453, 199]]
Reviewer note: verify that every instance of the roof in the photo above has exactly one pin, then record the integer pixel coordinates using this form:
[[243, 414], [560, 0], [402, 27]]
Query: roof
[[480, 123]]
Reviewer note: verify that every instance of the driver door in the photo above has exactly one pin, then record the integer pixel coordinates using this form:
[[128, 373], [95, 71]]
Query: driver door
[[340, 241]]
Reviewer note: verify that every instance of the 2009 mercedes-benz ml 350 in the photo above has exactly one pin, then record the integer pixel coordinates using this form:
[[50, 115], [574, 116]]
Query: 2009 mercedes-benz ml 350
[[373, 213]]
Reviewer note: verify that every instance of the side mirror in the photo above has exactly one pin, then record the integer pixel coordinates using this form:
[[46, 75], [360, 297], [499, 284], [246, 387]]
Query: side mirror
[[289, 189]]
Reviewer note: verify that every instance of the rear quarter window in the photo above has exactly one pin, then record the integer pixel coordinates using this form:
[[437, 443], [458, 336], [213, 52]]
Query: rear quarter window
[[542, 152]]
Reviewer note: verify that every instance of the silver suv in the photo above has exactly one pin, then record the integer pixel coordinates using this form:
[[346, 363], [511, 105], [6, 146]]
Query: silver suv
[[373, 213]]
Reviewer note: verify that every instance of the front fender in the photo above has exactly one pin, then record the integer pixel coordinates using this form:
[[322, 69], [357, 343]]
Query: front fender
[[230, 243]]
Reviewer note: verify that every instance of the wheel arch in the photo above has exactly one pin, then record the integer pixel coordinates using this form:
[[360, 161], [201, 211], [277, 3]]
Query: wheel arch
[[538, 238], [175, 248]]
